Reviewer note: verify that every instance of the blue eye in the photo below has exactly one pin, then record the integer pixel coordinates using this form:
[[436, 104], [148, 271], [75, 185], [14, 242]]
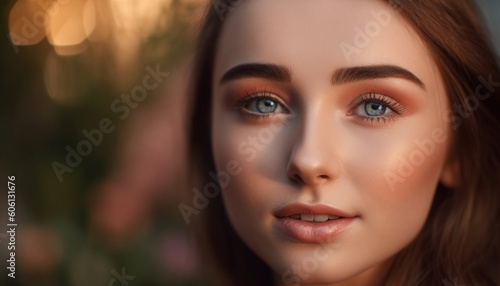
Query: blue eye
[[264, 105], [375, 108]]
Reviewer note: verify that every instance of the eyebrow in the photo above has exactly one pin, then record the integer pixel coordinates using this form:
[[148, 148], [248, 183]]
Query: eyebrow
[[340, 76], [352, 74], [267, 71]]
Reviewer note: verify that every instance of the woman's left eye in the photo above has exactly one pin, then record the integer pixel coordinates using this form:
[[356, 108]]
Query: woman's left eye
[[377, 108], [373, 109]]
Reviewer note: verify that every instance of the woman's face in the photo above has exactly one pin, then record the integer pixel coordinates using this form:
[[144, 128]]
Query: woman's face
[[333, 113]]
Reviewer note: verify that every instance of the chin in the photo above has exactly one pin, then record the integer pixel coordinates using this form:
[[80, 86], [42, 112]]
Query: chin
[[306, 267], [322, 275]]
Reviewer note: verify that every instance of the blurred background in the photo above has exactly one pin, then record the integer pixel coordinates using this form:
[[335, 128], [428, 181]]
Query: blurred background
[[92, 124]]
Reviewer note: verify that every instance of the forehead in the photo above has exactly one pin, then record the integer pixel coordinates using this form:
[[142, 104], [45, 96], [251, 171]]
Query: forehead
[[319, 36]]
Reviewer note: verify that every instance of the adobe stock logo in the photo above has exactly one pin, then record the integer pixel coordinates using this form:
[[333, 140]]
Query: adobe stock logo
[[223, 7], [455, 117], [123, 278], [364, 37], [250, 147], [417, 157], [121, 108], [30, 29], [210, 190], [461, 112], [297, 273]]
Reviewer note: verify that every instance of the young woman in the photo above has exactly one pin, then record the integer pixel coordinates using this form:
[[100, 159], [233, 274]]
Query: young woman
[[354, 142]]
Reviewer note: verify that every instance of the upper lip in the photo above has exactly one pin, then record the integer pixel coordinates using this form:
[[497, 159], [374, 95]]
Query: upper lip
[[299, 208]]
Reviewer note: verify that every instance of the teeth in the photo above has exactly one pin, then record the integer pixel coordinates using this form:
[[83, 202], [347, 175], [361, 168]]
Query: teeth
[[307, 217], [314, 217], [321, 217]]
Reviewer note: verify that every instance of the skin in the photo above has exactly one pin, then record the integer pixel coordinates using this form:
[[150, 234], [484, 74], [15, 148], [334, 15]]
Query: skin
[[318, 146]]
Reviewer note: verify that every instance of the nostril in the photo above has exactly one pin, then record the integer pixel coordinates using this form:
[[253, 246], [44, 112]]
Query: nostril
[[323, 176], [297, 178]]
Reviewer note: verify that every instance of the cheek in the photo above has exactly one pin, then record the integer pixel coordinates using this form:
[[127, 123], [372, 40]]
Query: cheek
[[397, 167], [260, 149], [395, 177], [250, 196], [252, 148]]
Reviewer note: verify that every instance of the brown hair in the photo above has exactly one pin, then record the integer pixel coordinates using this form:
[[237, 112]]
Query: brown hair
[[460, 242]]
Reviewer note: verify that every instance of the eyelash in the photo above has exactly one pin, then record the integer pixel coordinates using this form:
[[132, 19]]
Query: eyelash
[[387, 101], [254, 95]]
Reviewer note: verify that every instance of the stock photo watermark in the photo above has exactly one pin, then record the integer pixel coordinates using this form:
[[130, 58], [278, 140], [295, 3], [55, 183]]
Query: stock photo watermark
[[224, 7], [11, 226], [250, 147], [455, 117], [123, 278], [296, 274], [210, 190], [364, 36], [425, 148], [120, 107], [482, 92], [31, 27]]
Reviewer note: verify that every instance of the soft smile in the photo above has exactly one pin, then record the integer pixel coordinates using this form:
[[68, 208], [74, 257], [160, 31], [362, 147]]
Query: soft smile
[[312, 223]]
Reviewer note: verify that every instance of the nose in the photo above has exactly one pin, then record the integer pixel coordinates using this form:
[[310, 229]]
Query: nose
[[314, 160]]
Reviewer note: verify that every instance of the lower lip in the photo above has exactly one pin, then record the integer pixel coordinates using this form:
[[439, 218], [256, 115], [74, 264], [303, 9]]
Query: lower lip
[[313, 232]]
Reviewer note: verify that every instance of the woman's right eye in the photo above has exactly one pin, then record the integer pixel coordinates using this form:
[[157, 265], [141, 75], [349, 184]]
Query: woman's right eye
[[264, 105], [260, 104]]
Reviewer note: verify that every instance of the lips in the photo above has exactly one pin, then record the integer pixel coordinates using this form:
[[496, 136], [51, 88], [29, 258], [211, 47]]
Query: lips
[[312, 223]]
